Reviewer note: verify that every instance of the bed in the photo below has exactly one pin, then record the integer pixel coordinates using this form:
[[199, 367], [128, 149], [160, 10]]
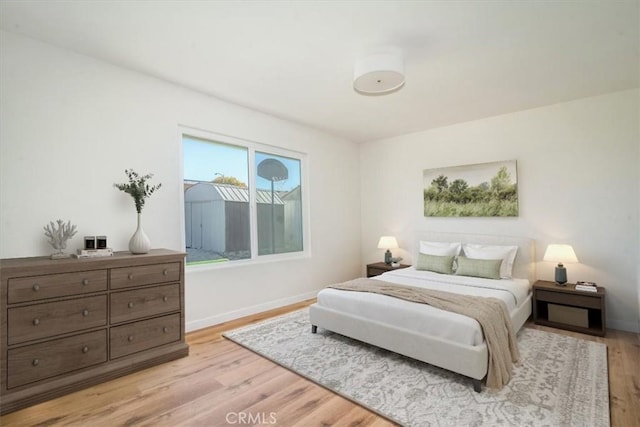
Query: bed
[[447, 340]]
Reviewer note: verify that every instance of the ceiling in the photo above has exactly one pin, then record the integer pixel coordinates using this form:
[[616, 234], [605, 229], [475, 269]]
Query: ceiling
[[464, 60]]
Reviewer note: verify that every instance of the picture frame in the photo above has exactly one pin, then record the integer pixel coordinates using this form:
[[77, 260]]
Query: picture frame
[[476, 190]]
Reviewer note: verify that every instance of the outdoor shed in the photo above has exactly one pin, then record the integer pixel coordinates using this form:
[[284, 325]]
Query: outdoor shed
[[217, 218]]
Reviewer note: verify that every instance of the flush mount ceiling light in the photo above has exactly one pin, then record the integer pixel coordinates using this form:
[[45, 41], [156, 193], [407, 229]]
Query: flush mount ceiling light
[[379, 74]]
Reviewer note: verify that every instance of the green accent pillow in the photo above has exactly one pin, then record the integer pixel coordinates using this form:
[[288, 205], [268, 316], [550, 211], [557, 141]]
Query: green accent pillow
[[487, 268], [436, 263]]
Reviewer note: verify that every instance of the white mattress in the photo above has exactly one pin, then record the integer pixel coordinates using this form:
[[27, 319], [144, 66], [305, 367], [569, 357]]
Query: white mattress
[[423, 318]]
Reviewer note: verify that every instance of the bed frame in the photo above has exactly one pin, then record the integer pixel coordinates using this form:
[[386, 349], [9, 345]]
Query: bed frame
[[471, 361]]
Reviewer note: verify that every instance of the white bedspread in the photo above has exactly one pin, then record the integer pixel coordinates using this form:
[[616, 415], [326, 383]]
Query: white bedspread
[[423, 318]]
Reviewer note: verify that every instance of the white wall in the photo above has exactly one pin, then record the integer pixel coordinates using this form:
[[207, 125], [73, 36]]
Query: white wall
[[578, 183], [71, 125]]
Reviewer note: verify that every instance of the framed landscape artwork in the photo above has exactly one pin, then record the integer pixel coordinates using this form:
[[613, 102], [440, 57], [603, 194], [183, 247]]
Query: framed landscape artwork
[[481, 190]]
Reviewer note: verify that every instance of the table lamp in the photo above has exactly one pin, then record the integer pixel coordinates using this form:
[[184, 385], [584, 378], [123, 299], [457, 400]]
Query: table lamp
[[387, 242], [560, 254]]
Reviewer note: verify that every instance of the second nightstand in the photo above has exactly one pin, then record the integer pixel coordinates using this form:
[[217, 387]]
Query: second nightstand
[[377, 268], [566, 308]]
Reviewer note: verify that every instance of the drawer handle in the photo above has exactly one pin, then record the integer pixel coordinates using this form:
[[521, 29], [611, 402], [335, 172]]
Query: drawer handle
[[130, 338], [85, 282], [165, 329], [130, 305], [36, 321], [165, 272], [35, 362], [85, 349], [165, 298], [130, 276], [85, 312], [35, 287]]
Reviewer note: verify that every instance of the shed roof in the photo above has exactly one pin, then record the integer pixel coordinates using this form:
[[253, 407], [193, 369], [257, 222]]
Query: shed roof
[[233, 193]]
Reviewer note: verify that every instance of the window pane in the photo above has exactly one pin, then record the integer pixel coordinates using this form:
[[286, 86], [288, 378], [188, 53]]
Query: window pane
[[216, 199], [278, 204]]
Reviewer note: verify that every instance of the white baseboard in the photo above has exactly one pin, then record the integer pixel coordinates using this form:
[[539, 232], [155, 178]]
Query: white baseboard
[[194, 325]]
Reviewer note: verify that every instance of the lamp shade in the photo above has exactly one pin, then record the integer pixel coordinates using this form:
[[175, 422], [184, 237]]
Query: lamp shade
[[560, 254], [387, 242]]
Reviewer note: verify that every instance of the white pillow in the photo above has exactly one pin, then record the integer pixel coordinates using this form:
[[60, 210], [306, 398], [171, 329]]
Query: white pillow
[[440, 248], [506, 253]]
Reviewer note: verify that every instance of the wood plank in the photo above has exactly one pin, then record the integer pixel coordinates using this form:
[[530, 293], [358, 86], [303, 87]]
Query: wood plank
[[337, 409], [220, 377], [213, 409], [624, 381]]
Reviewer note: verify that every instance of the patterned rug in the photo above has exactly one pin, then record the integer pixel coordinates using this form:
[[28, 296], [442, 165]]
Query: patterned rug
[[560, 381]]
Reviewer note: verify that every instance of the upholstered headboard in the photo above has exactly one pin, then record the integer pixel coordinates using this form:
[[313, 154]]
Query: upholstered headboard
[[524, 265]]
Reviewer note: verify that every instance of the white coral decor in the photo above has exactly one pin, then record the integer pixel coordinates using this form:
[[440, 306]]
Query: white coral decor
[[58, 235]]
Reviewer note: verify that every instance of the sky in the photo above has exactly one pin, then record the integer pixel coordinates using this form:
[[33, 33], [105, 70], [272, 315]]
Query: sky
[[474, 174], [203, 160]]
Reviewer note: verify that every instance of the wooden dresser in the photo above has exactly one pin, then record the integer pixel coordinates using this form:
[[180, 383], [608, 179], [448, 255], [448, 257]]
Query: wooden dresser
[[68, 324]]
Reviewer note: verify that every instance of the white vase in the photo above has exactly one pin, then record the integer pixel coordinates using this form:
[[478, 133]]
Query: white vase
[[139, 243]]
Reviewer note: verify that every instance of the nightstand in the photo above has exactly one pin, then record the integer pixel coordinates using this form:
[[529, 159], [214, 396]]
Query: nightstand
[[567, 308], [377, 268]]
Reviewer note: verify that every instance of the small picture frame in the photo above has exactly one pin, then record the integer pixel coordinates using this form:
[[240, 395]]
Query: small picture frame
[[90, 242], [101, 242]]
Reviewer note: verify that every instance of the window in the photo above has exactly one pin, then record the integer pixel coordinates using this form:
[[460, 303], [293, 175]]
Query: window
[[279, 204], [241, 200]]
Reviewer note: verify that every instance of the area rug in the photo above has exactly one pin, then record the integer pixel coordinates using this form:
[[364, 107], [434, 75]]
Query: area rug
[[560, 381]]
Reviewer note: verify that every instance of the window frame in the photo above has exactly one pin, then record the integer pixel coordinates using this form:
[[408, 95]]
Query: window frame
[[252, 147]]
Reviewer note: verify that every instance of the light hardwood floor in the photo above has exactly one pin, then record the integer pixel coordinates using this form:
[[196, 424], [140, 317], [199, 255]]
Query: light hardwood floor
[[220, 382]]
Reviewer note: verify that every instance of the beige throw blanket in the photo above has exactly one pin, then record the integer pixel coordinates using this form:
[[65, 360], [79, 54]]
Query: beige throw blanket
[[491, 313]]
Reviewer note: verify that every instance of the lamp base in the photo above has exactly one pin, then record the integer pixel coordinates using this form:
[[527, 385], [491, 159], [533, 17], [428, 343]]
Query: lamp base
[[561, 275], [387, 257]]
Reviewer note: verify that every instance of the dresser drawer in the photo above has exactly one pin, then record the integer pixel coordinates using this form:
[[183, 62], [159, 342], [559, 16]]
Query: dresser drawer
[[584, 301], [144, 275], [143, 335], [131, 305], [55, 318], [35, 288], [39, 361]]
